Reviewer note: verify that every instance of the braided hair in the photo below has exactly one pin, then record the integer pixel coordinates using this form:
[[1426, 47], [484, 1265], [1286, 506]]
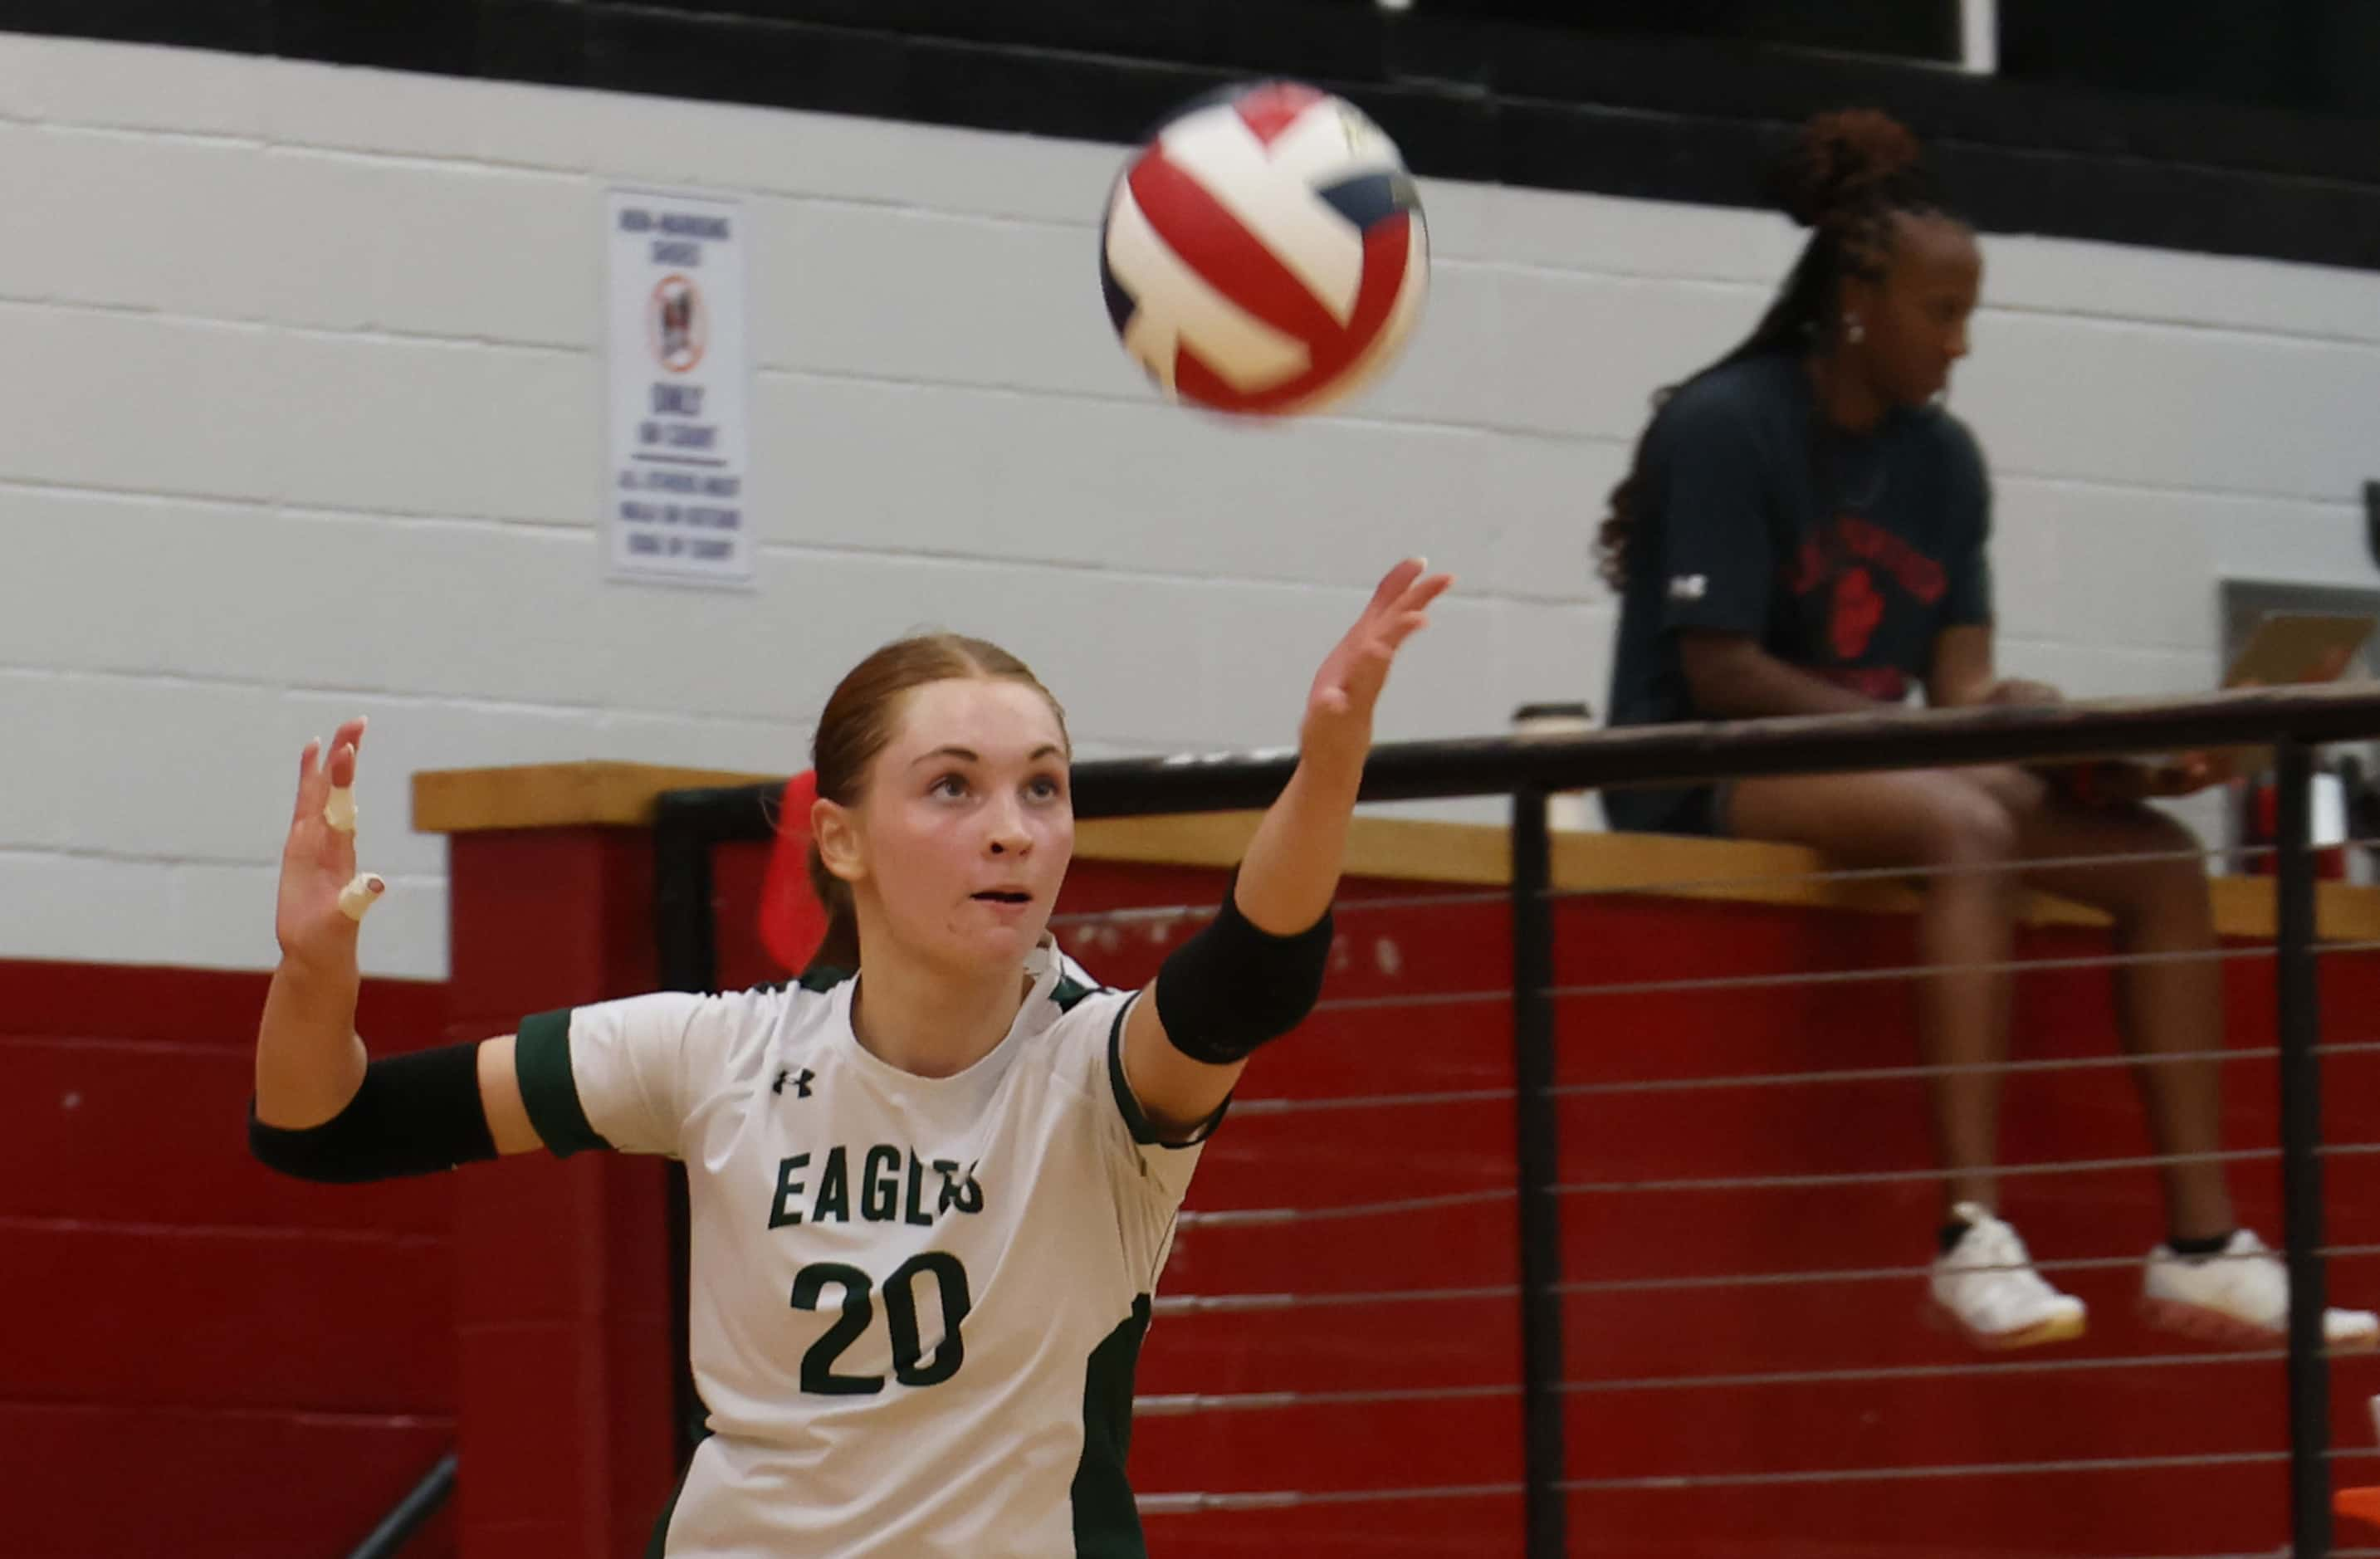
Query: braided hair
[[1848, 175]]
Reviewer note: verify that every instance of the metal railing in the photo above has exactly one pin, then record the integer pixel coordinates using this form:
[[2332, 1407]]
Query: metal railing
[[688, 824]]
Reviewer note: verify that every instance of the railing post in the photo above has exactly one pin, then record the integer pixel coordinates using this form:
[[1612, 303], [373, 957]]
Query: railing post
[[2301, 1023], [1539, 1161], [686, 937]]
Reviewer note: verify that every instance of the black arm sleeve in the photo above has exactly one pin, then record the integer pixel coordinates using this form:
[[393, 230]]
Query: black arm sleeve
[[415, 1114], [1233, 987]]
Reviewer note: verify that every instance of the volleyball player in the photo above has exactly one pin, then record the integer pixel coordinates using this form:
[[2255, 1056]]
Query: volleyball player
[[931, 1195], [1802, 532]]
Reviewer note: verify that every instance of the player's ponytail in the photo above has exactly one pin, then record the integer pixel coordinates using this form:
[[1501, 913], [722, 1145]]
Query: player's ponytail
[[860, 718], [1847, 176]]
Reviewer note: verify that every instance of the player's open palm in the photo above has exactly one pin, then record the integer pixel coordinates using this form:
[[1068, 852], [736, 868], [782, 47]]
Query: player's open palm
[[1339, 711], [318, 865]]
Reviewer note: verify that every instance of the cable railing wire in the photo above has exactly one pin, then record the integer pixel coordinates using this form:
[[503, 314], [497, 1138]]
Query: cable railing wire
[[1829, 1276], [1915, 1071], [1848, 874], [1908, 1176], [1285, 1499], [1919, 971], [1686, 1481], [1231, 1217], [1697, 984], [1246, 1107], [1857, 1375], [1199, 1304], [1661, 887], [1690, 1184], [1244, 1304], [1687, 886], [1278, 1499], [1701, 984], [1185, 1404]]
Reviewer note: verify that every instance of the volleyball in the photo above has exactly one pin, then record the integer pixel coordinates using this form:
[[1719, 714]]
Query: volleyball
[[1264, 252]]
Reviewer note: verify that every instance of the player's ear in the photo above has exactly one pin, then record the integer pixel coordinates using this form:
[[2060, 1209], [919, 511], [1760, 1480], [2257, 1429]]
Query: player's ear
[[840, 847]]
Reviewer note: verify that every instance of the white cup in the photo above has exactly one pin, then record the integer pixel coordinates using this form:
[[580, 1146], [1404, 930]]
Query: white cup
[[2330, 809]]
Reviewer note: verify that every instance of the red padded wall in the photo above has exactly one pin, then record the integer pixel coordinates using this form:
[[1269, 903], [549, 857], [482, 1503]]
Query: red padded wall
[[205, 1359], [561, 1307], [279, 1360]]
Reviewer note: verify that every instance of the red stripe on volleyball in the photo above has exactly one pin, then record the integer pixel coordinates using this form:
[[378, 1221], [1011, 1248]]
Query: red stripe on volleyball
[[1193, 379], [1388, 249], [1228, 258], [1271, 109]]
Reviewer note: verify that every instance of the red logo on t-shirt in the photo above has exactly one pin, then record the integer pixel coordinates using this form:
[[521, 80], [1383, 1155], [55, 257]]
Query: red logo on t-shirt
[[1857, 610], [1916, 573]]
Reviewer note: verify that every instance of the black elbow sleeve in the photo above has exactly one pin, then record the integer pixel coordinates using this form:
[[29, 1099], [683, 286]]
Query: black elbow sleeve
[[415, 1114], [1233, 987]]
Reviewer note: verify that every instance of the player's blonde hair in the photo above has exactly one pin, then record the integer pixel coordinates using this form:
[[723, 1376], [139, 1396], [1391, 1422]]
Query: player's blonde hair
[[860, 719]]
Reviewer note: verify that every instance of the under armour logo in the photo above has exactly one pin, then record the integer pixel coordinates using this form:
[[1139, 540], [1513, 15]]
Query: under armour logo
[[801, 1084], [1689, 587]]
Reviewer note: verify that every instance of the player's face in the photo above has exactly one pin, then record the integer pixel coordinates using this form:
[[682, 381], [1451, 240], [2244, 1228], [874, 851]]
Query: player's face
[[1916, 321], [969, 824]]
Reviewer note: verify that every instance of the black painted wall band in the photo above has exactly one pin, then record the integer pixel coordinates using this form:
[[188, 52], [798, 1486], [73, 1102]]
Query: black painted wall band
[[1472, 99]]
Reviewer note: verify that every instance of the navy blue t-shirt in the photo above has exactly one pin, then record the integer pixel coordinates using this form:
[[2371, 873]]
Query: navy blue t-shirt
[[1844, 555]]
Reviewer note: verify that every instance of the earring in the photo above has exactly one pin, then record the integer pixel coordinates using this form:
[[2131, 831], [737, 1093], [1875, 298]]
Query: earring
[[1853, 332]]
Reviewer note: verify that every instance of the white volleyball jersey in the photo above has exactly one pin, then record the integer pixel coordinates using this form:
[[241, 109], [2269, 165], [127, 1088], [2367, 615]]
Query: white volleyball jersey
[[916, 1303]]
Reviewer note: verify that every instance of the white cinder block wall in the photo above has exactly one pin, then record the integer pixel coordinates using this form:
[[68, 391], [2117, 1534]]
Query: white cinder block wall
[[302, 417]]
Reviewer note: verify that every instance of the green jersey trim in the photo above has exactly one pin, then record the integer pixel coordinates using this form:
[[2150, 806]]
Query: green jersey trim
[[1144, 1131], [541, 1062], [657, 1547], [819, 978], [1107, 1521]]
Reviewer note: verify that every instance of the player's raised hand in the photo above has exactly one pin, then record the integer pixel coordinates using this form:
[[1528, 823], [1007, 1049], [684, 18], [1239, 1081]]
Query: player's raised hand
[[1338, 724], [323, 899]]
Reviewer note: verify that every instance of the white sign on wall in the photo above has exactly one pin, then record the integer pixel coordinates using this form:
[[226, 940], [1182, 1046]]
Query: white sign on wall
[[678, 494]]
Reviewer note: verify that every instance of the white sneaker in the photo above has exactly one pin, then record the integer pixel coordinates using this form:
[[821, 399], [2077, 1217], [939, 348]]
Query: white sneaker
[[2238, 1299], [1986, 1286]]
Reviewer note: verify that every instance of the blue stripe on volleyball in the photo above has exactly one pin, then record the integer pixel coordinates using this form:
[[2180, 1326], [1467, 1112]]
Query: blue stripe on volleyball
[[1121, 305], [1369, 197]]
